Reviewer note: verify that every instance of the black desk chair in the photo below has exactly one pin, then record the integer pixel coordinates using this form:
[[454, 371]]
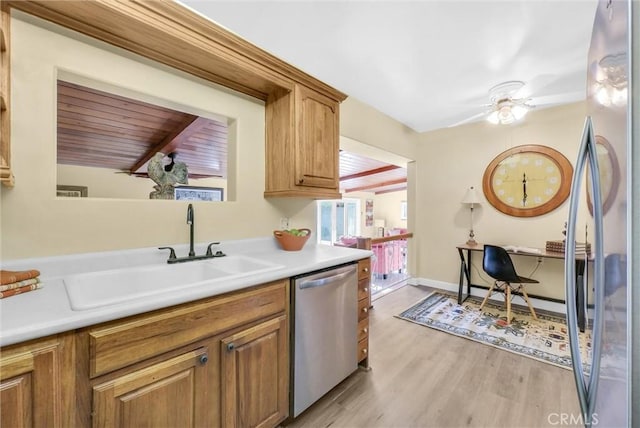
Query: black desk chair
[[497, 264]]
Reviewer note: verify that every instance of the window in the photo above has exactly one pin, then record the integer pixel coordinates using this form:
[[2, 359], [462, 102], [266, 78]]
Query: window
[[338, 218]]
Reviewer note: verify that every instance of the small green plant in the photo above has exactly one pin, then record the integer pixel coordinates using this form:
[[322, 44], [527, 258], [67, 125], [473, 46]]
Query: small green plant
[[297, 232]]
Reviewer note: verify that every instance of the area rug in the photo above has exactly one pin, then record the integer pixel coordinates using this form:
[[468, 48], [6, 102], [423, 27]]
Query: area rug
[[545, 339]]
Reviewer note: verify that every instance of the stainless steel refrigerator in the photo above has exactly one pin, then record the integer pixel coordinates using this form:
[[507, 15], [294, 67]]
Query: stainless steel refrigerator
[[604, 170]]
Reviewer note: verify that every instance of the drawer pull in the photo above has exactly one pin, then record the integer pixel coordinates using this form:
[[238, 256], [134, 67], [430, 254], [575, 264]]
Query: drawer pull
[[203, 359], [364, 351], [366, 289], [365, 330], [366, 269], [230, 346], [365, 310]]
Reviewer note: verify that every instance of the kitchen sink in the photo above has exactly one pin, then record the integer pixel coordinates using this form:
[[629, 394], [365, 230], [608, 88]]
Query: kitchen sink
[[108, 287]]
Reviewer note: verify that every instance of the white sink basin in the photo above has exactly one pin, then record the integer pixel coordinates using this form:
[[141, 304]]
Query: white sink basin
[[97, 289]]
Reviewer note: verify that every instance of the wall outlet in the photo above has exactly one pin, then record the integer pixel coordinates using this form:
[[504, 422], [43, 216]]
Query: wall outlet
[[284, 223]]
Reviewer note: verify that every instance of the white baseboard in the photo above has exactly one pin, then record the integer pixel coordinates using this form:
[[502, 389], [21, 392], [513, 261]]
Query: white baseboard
[[479, 292]]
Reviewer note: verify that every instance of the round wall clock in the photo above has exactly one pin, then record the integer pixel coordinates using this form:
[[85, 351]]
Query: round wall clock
[[609, 174], [527, 181]]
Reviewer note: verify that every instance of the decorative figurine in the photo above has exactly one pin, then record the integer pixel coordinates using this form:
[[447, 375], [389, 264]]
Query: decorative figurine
[[166, 176]]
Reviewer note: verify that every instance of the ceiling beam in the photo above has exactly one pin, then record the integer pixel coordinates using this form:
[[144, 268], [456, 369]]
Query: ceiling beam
[[173, 141], [395, 189], [369, 172], [376, 185]]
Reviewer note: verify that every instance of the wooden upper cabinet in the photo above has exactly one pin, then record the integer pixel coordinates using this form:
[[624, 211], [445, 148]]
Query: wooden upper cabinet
[[317, 140], [302, 144], [6, 175], [301, 111]]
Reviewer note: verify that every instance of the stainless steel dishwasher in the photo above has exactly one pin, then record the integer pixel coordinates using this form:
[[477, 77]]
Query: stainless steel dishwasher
[[325, 332]]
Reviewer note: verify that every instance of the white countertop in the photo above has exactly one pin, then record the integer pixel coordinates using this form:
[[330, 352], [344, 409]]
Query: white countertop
[[48, 311]]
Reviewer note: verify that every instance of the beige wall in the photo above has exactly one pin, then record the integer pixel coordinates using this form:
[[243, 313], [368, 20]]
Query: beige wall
[[450, 160], [36, 223], [385, 206], [111, 183]]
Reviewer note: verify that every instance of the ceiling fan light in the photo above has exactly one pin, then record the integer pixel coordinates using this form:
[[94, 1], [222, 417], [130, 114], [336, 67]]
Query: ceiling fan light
[[505, 115], [493, 117], [602, 96], [619, 96], [519, 112]]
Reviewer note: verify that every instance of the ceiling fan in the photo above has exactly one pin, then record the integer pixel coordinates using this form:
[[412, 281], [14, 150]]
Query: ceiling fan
[[508, 104]]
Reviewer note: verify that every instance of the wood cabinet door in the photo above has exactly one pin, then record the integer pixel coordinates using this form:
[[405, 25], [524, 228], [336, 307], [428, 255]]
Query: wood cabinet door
[[172, 393], [317, 146], [255, 375], [30, 387]]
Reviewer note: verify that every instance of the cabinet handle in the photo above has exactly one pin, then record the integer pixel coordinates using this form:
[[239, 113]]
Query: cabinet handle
[[366, 289], [203, 359], [364, 351], [365, 330], [366, 269], [365, 309], [230, 346]]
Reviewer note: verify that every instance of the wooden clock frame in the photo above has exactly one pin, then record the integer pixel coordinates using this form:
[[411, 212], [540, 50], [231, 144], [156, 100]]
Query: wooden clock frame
[[566, 173], [615, 176]]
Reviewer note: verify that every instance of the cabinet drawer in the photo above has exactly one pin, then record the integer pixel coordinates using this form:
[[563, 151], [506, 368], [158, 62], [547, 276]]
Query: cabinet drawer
[[363, 309], [364, 269], [363, 349], [363, 289], [363, 329], [124, 342]]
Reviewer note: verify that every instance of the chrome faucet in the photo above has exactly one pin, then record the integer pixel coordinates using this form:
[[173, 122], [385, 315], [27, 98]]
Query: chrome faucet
[[190, 222], [192, 254]]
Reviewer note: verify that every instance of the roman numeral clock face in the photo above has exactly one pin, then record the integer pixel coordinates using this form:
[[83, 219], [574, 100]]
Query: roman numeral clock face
[[527, 181]]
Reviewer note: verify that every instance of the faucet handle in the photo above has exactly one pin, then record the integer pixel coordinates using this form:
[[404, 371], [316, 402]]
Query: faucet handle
[[172, 254], [209, 251]]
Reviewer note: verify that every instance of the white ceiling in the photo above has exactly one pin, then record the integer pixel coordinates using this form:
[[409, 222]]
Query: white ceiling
[[427, 64]]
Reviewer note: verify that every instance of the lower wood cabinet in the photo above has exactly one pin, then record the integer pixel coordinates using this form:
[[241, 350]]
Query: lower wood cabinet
[[31, 384], [172, 393], [255, 383], [364, 305], [221, 361]]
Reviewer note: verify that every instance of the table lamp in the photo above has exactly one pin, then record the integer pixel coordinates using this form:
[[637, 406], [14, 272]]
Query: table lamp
[[471, 198]]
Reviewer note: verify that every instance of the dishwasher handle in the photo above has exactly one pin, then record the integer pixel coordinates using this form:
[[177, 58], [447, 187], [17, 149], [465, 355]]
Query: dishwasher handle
[[330, 279]]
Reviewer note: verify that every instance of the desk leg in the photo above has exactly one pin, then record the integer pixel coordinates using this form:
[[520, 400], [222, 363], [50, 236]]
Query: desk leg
[[465, 267]]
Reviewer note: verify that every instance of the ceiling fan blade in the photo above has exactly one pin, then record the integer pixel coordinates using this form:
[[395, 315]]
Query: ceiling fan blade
[[566, 98], [469, 119]]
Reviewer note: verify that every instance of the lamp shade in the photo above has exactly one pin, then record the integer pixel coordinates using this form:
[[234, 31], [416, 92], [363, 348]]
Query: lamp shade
[[471, 197]]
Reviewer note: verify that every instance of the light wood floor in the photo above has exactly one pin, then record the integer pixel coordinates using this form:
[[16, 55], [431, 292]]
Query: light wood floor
[[422, 377]]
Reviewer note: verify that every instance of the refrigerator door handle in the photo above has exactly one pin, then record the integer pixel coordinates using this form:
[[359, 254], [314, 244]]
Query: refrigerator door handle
[[586, 393]]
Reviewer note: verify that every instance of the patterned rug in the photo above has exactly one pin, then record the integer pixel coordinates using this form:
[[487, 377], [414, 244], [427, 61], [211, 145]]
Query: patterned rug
[[545, 339]]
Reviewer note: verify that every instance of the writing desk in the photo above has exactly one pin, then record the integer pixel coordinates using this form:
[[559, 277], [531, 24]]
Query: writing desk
[[466, 250]]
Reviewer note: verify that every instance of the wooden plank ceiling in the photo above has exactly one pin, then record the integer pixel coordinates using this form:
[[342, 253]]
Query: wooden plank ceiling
[[361, 174], [99, 129], [103, 130]]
